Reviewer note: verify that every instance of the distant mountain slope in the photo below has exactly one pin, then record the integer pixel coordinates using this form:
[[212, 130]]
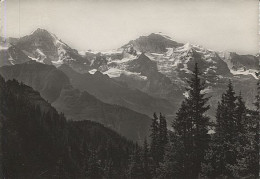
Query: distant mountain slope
[[115, 92], [44, 78], [78, 105], [37, 142], [55, 87]]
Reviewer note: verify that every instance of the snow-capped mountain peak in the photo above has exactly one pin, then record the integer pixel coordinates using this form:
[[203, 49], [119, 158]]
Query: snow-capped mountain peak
[[45, 47], [168, 55]]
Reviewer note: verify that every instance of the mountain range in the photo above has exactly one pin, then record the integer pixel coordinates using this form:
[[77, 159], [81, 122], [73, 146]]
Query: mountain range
[[146, 75]]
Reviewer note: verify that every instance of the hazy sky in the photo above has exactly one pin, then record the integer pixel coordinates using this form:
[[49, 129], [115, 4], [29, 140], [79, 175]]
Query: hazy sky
[[100, 25]]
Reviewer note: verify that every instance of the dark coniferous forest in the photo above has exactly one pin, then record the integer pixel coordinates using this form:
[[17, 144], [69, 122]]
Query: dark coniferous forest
[[38, 142]]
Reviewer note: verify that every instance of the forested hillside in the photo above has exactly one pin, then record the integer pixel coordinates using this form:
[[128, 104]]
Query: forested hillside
[[55, 87], [37, 142]]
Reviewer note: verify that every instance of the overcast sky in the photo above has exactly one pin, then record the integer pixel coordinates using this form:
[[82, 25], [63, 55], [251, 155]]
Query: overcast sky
[[101, 25]]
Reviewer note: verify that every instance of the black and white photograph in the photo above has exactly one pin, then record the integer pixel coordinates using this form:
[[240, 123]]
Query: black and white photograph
[[129, 89]]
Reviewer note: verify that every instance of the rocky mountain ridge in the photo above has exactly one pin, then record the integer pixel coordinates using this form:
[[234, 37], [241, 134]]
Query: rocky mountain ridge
[[154, 64]]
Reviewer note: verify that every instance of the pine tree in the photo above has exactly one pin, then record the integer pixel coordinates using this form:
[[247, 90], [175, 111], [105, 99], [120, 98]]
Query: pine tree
[[240, 113], [154, 139], [241, 123], [191, 126], [162, 137], [182, 126], [163, 132], [226, 133], [243, 144], [253, 140], [229, 112], [257, 133], [145, 160], [231, 150]]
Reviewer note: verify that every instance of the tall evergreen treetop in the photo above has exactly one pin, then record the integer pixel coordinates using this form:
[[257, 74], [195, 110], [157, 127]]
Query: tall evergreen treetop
[[228, 111], [191, 124], [163, 133], [197, 98], [230, 97], [240, 114], [154, 138]]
